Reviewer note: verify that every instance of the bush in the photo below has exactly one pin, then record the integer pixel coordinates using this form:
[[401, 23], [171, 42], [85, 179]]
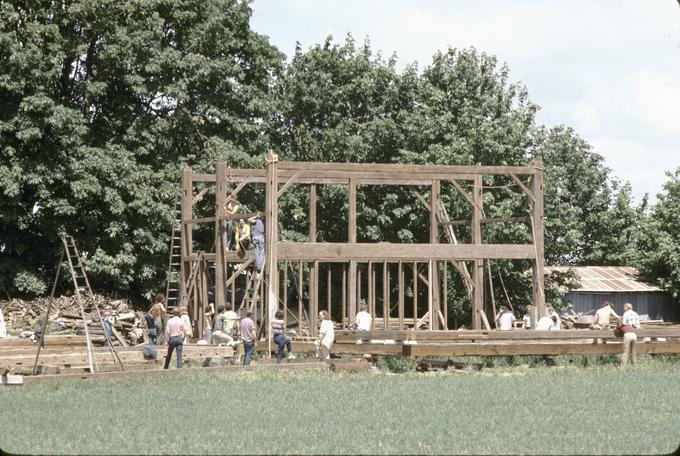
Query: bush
[[29, 284], [396, 364]]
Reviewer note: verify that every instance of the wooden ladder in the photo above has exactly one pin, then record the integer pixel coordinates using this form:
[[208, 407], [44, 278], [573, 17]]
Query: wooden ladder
[[81, 286], [172, 291]]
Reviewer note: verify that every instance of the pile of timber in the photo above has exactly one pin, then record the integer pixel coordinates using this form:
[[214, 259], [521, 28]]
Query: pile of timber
[[497, 343], [67, 354], [65, 318]]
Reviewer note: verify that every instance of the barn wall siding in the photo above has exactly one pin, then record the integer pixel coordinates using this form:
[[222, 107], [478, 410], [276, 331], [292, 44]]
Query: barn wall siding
[[658, 306]]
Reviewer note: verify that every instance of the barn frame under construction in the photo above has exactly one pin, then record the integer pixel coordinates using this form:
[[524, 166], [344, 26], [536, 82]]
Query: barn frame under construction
[[376, 263]]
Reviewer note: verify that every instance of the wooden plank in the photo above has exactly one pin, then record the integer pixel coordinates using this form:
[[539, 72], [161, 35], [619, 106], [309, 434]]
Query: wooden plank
[[235, 192], [523, 187], [270, 302], [220, 234], [352, 217], [415, 291], [538, 349], [186, 231], [478, 264], [470, 199], [288, 183], [341, 252], [487, 220], [199, 196], [312, 213], [421, 199], [401, 295], [405, 168], [537, 233], [352, 291]]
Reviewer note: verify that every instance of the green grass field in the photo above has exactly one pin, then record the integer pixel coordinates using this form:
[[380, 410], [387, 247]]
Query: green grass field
[[571, 410]]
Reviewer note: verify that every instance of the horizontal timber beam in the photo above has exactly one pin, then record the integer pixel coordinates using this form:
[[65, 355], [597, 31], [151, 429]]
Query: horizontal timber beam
[[447, 170], [340, 252]]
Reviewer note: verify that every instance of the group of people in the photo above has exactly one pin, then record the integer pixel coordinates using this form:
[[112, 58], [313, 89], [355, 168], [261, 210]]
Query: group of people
[[226, 327], [550, 321], [626, 328], [240, 236]]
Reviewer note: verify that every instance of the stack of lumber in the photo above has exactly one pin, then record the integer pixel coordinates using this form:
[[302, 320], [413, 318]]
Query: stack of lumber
[[68, 354], [65, 317]]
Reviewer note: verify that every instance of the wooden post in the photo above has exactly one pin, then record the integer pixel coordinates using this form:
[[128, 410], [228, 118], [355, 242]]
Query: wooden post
[[312, 213], [430, 297], [478, 267], [358, 284], [329, 283], [352, 239], [385, 288], [445, 294], [415, 292], [537, 227], [344, 296], [369, 292], [271, 238], [434, 239], [401, 295], [374, 276], [285, 296], [314, 292], [300, 291], [220, 199], [352, 291], [186, 232]]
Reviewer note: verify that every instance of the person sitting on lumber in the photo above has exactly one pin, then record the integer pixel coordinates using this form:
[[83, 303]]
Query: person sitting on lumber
[[219, 335], [555, 317], [603, 316], [546, 322], [504, 319], [242, 236], [362, 321], [280, 338]]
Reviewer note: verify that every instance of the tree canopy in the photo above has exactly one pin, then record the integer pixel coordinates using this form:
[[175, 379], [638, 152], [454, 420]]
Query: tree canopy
[[103, 101]]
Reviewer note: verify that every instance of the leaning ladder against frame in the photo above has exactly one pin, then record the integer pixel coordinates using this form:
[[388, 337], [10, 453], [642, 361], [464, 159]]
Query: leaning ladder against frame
[[172, 288], [81, 284]]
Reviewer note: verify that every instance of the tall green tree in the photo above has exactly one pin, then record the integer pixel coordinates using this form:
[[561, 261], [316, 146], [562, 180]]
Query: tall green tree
[[100, 104], [589, 216], [658, 239]]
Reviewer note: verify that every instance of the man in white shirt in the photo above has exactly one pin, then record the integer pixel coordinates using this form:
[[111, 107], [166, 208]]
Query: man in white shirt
[[504, 319], [363, 319]]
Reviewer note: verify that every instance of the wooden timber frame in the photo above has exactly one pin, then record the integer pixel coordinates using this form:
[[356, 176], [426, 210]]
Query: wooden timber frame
[[410, 262]]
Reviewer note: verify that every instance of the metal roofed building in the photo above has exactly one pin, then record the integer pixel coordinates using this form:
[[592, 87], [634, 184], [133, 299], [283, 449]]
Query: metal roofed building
[[618, 284]]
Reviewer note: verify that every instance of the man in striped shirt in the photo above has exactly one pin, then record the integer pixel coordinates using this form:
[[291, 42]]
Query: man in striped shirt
[[174, 337], [280, 338]]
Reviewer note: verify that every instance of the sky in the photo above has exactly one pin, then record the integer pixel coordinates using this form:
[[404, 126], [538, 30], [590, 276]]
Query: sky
[[609, 69]]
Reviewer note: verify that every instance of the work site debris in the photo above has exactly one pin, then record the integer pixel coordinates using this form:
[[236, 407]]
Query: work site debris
[[65, 317]]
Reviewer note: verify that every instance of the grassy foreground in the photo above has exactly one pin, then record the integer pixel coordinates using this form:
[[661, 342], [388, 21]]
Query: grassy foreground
[[596, 410]]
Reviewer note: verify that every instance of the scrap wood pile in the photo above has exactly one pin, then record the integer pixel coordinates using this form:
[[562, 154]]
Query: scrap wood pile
[[65, 318]]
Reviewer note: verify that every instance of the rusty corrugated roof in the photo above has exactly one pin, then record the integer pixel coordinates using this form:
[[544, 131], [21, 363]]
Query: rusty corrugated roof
[[606, 278]]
